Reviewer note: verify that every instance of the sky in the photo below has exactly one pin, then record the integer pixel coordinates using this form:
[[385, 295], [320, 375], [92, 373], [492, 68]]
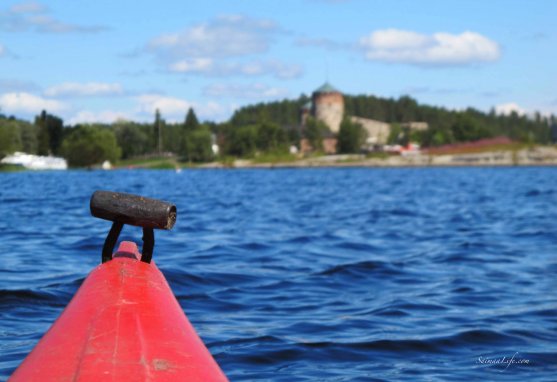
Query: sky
[[104, 60]]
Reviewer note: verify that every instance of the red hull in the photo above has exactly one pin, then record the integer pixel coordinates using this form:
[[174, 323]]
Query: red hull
[[123, 324]]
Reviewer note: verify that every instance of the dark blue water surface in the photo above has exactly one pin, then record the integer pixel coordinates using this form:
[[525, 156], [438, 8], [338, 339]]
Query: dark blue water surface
[[313, 274]]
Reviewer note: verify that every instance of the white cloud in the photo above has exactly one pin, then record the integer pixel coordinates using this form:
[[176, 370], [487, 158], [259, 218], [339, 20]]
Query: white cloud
[[175, 109], [214, 68], [394, 39], [28, 7], [2, 50], [214, 111], [223, 46], [28, 103], [225, 36], [508, 108], [253, 91], [275, 68], [400, 46], [172, 110], [74, 89], [105, 116], [545, 110], [193, 65], [149, 103], [34, 16]]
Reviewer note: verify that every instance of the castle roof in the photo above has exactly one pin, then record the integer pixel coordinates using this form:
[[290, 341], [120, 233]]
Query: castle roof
[[326, 88]]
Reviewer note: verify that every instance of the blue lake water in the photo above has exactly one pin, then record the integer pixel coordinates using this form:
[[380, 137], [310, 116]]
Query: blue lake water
[[313, 274]]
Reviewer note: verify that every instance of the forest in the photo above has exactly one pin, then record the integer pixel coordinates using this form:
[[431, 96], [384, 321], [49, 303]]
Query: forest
[[271, 127], [445, 126]]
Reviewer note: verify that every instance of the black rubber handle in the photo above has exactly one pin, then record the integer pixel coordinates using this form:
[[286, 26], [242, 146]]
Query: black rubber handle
[[133, 210]]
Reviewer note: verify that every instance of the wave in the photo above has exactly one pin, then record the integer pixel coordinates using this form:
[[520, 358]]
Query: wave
[[363, 268]]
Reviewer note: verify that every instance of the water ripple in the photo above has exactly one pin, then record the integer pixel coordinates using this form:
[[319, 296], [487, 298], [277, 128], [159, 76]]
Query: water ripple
[[315, 274]]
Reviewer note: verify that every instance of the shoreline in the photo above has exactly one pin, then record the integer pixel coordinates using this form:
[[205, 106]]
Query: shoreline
[[536, 156], [545, 156]]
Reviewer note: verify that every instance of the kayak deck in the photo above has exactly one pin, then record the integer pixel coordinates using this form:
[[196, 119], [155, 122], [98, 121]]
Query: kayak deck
[[123, 324]]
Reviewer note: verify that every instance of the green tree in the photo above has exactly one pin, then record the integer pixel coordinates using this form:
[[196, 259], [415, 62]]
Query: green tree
[[191, 123], [395, 134], [55, 126], [131, 138], [187, 147], [172, 138], [351, 137], [314, 132], [241, 141], [18, 135], [43, 136], [446, 126], [50, 134], [271, 137], [282, 113], [28, 134], [9, 138], [437, 135], [201, 150], [416, 136], [406, 109], [157, 131], [294, 135], [88, 145], [468, 127]]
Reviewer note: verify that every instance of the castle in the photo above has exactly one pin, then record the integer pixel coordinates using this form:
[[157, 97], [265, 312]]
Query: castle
[[327, 105]]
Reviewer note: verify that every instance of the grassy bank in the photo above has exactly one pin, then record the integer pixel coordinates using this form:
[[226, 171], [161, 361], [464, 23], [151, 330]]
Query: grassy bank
[[274, 158], [11, 168], [157, 163]]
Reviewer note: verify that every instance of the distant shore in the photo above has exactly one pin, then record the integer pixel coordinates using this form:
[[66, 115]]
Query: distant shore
[[535, 156], [532, 156]]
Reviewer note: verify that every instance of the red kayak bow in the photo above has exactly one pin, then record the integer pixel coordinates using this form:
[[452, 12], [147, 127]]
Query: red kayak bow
[[123, 324]]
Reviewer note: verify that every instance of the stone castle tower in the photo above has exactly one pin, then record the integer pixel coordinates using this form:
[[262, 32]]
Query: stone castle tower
[[328, 106]]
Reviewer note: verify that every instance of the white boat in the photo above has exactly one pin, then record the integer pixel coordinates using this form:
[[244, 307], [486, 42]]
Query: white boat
[[35, 162]]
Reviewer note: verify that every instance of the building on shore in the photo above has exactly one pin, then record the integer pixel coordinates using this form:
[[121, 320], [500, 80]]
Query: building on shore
[[377, 131], [327, 106]]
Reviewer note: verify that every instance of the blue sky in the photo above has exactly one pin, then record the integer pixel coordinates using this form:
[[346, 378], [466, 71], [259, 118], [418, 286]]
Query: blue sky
[[108, 60]]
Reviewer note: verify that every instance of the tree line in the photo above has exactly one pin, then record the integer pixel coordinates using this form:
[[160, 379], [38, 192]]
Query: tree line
[[445, 126], [272, 127], [85, 145], [89, 144]]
